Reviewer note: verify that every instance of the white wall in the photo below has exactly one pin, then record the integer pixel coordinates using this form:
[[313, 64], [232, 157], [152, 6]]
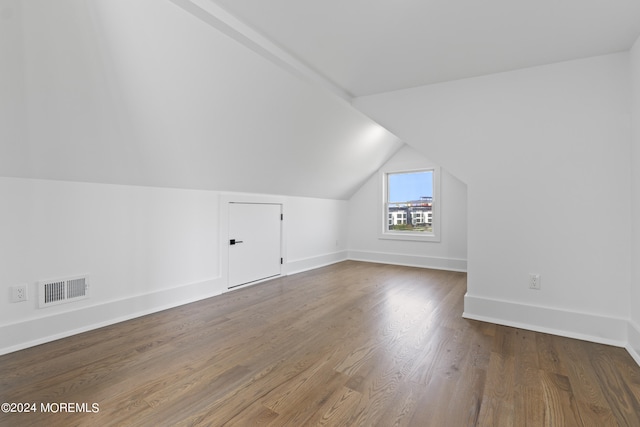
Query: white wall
[[364, 217], [316, 232], [12, 87], [144, 248], [634, 330], [545, 154], [138, 244]]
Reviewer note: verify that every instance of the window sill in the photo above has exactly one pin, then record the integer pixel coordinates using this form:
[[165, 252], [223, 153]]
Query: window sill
[[410, 237]]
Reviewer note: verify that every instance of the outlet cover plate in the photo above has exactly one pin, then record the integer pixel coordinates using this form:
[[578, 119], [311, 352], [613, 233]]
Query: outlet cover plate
[[534, 281], [19, 293]]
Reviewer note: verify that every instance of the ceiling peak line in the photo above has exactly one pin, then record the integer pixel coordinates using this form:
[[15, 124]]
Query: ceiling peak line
[[215, 16]]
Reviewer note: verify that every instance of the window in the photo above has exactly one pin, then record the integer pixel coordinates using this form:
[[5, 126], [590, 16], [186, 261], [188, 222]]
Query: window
[[410, 205]]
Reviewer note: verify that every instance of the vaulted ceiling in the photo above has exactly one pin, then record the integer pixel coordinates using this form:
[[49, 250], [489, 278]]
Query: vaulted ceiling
[[143, 93], [250, 95], [373, 46]]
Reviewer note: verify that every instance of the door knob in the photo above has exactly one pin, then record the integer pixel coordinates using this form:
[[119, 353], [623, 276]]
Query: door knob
[[234, 241]]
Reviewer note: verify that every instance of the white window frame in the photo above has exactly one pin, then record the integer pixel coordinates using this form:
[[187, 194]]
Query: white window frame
[[421, 236]]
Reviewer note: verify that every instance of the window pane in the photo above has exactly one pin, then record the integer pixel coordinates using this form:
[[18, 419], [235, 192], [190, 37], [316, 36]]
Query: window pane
[[410, 201]]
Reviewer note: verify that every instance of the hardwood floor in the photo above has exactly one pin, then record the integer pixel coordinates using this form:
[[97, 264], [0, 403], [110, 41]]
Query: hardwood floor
[[345, 345]]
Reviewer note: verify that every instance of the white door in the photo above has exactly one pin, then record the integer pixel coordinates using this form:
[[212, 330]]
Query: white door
[[254, 242]]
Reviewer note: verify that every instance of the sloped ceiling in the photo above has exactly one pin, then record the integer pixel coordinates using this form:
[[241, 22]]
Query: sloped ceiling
[[150, 92], [373, 46], [143, 93]]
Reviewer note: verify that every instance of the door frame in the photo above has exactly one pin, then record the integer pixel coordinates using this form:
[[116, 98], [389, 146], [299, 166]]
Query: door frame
[[223, 239]]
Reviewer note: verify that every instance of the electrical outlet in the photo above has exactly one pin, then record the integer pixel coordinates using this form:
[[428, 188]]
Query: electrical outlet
[[534, 281], [18, 293]]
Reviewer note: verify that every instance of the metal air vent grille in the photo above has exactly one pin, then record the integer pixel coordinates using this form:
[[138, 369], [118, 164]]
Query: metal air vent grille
[[60, 291]]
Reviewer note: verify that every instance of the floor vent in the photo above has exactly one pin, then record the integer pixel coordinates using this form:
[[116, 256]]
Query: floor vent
[[61, 291]]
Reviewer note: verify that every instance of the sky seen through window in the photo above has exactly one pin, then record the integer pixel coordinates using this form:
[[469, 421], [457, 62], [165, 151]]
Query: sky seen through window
[[408, 186]]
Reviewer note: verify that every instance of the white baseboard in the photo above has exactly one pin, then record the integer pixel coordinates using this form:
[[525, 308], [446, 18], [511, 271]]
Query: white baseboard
[[305, 264], [601, 329], [572, 324], [32, 332], [450, 264], [633, 341]]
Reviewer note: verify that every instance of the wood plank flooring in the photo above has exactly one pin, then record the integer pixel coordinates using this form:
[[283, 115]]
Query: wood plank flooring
[[352, 344]]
